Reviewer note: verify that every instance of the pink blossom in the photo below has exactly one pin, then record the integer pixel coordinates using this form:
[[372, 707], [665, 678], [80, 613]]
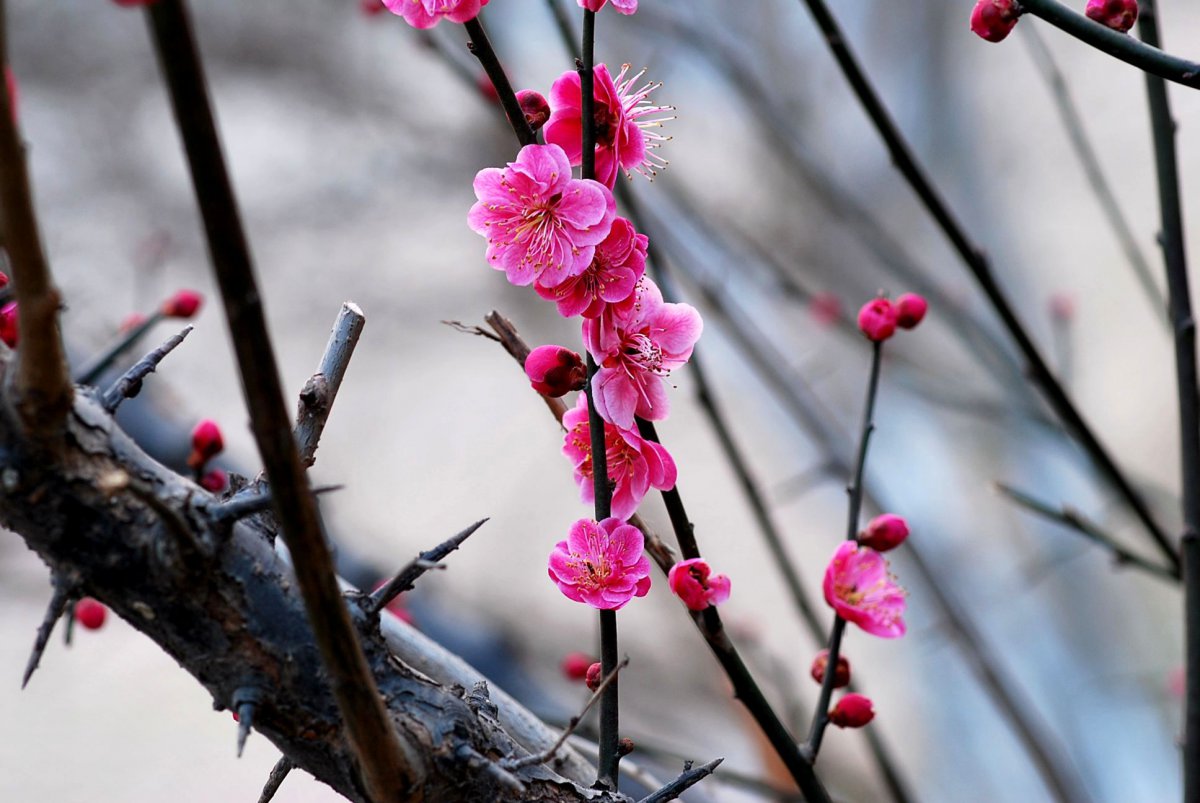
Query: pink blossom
[[622, 6], [555, 371], [693, 582], [635, 465], [877, 319], [910, 310], [618, 263], [1116, 14], [601, 564], [427, 13], [852, 711], [860, 590], [994, 19], [884, 532], [623, 138], [636, 348], [540, 223]]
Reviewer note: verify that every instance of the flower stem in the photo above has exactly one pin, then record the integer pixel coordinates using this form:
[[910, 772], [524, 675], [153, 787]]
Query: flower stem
[[855, 489], [821, 715], [481, 48]]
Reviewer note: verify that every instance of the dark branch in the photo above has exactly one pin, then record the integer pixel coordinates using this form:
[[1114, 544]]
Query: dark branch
[[481, 47], [427, 560], [279, 772], [316, 399], [130, 383], [90, 374], [687, 779]]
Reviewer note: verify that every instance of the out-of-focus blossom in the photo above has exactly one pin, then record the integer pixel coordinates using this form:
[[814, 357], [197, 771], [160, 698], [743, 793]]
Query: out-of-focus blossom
[[877, 319], [184, 304], [90, 613], [427, 13], [852, 711], [207, 443], [910, 310]]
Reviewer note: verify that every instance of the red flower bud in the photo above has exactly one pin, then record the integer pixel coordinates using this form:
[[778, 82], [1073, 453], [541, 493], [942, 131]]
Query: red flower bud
[[593, 677], [994, 19], [183, 304], [555, 371], [8, 324], [371, 7], [214, 481], [207, 443], [852, 711], [884, 532], [821, 662], [90, 613], [624, 747], [910, 310], [575, 665], [877, 319], [537, 110], [1116, 14]]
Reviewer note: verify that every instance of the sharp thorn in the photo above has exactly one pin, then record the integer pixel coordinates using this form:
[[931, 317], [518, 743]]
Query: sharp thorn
[[245, 722], [130, 382], [58, 604], [405, 578], [243, 505]]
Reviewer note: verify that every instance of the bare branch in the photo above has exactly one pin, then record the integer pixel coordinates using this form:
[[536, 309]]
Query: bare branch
[[91, 373], [130, 383], [407, 576], [316, 399], [687, 779], [279, 772]]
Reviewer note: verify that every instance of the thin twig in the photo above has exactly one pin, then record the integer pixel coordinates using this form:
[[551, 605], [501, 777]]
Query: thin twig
[[282, 768], [1076, 521], [387, 770], [979, 266], [1081, 143], [130, 383], [1188, 386], [316, 399], [512, 765], [63, 592], [90, 374], [481, 47], [1145, 56], [249, 502], [42, 384], [427, 560], [686, 780]]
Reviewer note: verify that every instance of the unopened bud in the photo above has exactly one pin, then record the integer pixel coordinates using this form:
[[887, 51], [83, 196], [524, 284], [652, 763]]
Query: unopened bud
[[994, 19], [8, 324], [840, 678], [537, 110], [593, 677], [183, 304], [852, 711], [624, 747], [884, 532], [555, 371], [910, 310], [214, 481], [575, 665], [90, 613], [1116, 14], [877, 319], [207, 443]]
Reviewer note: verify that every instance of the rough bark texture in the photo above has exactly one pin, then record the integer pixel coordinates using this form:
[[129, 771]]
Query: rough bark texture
[[112, 522]]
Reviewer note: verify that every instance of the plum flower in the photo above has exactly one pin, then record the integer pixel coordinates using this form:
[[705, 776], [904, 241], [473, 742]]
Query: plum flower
[[427, 13], [601, 564], [636, 347], [635, 465], [623, 137], [619, 261], [694, 583], [540, 223], [622, 6], [860, 590]]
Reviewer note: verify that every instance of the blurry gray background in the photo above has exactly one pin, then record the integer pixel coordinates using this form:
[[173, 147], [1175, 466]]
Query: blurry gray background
[[353, 145]]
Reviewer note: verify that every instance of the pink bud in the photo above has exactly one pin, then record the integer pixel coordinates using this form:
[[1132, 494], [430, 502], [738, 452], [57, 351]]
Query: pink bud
[[1116, 14], [592, 5], [555, 371], [207, 443], [214, 481], [852, 711], [575, 665], [8, 324], [371, 7], [537, 110], [994, 19], [840, 678], [593, 677], [14, 94], [910, 310], [184, 304], [884, 532], [693, 582], [877, 319], [825, 308], [90, 613]]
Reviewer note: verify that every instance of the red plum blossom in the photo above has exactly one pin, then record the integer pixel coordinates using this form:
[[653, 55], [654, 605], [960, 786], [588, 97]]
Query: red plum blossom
[[555, 371], [535, 107], [910, 310], [90, 613], [877, 319], [636, 348], [540, 223], [601, 564], [860, 590], [623, 138], [619, 261], [9, 332], [693, 582], [184, 304], [427, 13], [635, 465], [1116, 14], [994, 19], [852, 711], [207, 443], [884, 532]]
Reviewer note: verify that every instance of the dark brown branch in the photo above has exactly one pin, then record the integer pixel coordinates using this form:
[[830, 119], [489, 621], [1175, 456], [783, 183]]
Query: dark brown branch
[[43, 389], [686, 780], [63, 592], [406, 577], [316, 399], [481, 47], [283, 767], [388, 770], [130, 383]]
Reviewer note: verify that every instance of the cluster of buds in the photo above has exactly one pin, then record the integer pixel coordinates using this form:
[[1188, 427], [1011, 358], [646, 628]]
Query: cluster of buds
[[879, 317], [994, 20], [207, 443]]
